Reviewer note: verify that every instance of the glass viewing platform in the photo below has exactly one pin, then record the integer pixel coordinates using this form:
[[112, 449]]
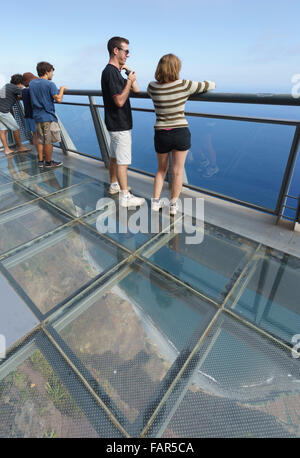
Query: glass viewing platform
[[141, 334]]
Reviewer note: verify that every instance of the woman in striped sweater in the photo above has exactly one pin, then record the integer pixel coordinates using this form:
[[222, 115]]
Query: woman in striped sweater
[[169, 94]]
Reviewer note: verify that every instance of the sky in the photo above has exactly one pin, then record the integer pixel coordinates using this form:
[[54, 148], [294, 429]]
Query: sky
[[244, 46]]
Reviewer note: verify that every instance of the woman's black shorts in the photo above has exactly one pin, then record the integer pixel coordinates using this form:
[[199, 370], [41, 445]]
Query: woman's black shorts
[[178, 138]]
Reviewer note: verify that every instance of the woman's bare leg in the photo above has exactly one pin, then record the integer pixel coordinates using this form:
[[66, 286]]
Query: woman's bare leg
[[163, 164], [178, 161]]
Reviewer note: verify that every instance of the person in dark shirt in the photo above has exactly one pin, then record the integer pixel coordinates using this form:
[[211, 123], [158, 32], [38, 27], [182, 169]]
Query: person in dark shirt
[[43, 92], [9, 94], [118, 118], [29, 121]]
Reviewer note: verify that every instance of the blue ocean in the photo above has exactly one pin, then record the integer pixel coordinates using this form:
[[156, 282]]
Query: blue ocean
[[240, 159]]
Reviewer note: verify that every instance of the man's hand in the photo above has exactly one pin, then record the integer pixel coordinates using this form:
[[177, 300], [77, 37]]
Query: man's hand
[[132, 77], [58, 97], [126, 68]]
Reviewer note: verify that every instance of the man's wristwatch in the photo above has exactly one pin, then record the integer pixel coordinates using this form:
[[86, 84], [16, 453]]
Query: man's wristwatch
[[127, 72]]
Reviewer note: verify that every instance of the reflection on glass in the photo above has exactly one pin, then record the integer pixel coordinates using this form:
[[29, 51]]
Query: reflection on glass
[[20, 166], [210, 266], [12, 195], [54, 268], [268, 294], [244, 160], [131, 228], [4, 180], [25, 223], [35, 403], [80, 199], [54, 180], [244, 386], [129, 337]]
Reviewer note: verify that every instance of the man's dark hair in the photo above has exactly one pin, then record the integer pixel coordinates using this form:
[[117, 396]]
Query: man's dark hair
[[16, 79], [115, 42], [43, 67]]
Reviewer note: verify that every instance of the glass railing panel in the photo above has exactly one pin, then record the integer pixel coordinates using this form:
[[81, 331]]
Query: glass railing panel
[[54, 180], [239, 385], [208, 258], [143, 152], [35, 403], [78, 123], [268, 293], [244, 160], [25, 223], [54, 268], [129, 337], [12, 195], [81, 199]]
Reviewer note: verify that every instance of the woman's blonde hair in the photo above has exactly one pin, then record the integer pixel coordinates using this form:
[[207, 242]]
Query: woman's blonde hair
[[168, 69]]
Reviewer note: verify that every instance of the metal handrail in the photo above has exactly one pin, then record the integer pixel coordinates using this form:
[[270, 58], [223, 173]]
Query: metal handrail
[[256, 99]]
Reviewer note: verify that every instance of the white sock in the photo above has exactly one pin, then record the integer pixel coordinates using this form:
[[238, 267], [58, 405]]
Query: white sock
[[114, 184]]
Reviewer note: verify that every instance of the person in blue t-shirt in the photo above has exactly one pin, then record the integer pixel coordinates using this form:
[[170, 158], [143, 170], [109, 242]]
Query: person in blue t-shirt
[[43, 92]]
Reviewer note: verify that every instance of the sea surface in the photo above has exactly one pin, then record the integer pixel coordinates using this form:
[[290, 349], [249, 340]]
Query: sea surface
[[241, 159]]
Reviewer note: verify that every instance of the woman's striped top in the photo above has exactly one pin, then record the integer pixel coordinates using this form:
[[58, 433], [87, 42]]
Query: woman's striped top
[[169, 100]]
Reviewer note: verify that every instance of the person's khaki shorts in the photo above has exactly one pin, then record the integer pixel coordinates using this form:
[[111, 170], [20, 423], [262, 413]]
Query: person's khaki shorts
[[48, 132]]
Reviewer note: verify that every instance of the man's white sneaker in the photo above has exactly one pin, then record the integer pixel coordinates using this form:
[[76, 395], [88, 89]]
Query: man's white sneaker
[[173, 208], [156, 206], [129, 200], [115, 189]]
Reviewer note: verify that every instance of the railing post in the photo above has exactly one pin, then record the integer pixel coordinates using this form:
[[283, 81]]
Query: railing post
[[288, 174], [100, 131], [297, 218]]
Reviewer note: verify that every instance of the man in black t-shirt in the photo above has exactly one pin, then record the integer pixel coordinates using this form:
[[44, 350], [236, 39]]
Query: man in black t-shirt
[[9, 94], [118, 118]]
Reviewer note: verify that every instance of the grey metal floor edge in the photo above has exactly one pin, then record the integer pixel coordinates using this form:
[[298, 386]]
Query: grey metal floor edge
[[137, 334]]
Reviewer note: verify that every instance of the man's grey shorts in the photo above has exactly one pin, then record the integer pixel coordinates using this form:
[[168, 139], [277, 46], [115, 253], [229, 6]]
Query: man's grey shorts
[[7, 121], [120, 146]]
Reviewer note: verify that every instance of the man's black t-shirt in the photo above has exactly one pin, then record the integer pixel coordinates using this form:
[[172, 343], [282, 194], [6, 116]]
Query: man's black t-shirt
[[113, 83], [8, 96]]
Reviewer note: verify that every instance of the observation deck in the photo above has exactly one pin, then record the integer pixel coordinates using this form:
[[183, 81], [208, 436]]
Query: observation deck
[[128, 333]]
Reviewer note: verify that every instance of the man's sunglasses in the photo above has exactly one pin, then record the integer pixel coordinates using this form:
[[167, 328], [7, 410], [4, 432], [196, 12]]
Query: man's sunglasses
[[125, 50]]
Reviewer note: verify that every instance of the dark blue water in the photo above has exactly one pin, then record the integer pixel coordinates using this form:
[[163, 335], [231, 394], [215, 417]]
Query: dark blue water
[[244, 160]]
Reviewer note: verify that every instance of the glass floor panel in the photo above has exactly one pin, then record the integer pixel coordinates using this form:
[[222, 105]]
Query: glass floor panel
[[128, 227], [81, 199], [54, 268], [4, 180], [159, 336], [48, 182], [13, 195], [133, 338], [25, 223], [16, 320], [268, 294], [239, 385], [20, 166], [210, 266], [35, 403]]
